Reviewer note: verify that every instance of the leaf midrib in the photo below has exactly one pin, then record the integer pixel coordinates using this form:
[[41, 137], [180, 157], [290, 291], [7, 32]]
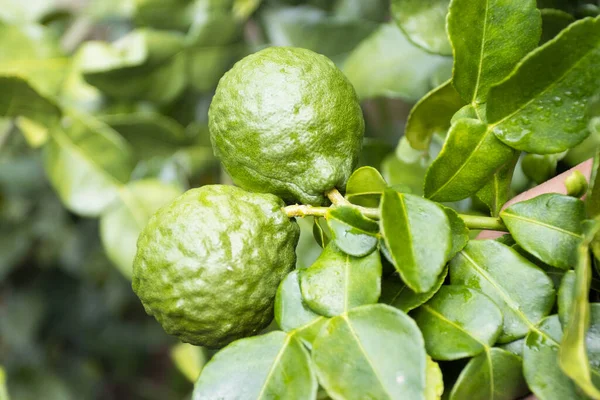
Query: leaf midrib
[[480, 64], [274, 365], [501, 290], [540, 223], [452, 323], [364, 352]]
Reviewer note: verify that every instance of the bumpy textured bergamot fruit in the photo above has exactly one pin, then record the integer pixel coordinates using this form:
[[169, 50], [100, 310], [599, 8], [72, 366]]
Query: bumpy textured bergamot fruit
[[287, 121], [208, 265]]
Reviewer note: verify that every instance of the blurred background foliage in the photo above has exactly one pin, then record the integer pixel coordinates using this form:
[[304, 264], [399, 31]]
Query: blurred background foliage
[[105, 119]]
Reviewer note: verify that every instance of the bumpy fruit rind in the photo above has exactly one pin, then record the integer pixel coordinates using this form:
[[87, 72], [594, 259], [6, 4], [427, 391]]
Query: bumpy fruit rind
[[208, 265], [287, 121]]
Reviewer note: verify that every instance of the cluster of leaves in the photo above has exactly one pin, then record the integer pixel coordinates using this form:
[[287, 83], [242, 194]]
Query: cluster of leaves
[[104, 111], [401, 303]]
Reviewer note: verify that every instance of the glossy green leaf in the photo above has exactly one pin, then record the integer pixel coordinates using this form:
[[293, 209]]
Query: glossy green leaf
[[291, 312], [365, 186], [312, 28], [592, 342], [424, 23], [87, 162], [373, 352], [515, 347], [189, 360], [524, 293], [458, 322], [144, 65], [395, 293], [573, 357], [149, 134], [566, 295], [434, 381], [338, 282], [460, 232], [408, 224], [123, 221], [494, 374], [352, 232], [432, 114], [496, 192], [478, 31], [275, 365], [386, 51], [548, 227], [469, 158], [553, 22], [542, 110], [540, 363], [18, 98], [321, 232]]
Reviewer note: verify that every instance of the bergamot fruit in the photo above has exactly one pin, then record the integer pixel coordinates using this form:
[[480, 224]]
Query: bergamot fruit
[[287, 121], [208, 265]]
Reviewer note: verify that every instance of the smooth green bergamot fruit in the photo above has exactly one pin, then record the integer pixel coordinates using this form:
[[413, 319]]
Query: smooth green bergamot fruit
[[208, 265], [287, 121]]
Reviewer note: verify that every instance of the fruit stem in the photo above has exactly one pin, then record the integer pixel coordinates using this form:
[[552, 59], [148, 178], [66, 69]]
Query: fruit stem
[[301, 210], [336, 198], [479, 222]]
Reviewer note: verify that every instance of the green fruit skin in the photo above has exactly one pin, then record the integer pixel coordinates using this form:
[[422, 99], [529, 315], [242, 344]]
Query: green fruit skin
[[287, 121], [208, 265]]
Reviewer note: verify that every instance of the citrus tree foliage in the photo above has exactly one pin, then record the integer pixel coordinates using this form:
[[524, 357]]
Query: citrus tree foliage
[[466, 103]]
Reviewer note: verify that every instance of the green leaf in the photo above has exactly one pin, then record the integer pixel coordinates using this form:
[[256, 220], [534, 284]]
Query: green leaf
[[312, 28], [592, 200], [33, 53], [573, 357], [189, 360], [408, 224], [19, 99], [365, 186], [3, 390], [406, 168], [123, 221], [553, 22], [373, 352], [469, 158], [434, 381], [524, 293], [144, 65], [540, 363], [292, 314], [478, 31], [548, 227], [432, 114], [338, 282], [352, 232], [460, 232], [515, 347], [424, 23], [495, 374], [270, 366], [542, 110], [206, 65], [386, 51], [321, 232], [458, 322], [496, 192], [87, 163], [566, 295], [395, 293], [149, 134]]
